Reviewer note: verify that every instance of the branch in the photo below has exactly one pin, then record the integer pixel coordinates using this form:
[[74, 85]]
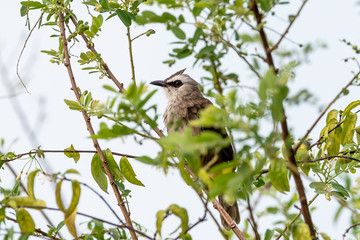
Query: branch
[[84, 215], [64, 151], [348, 229], [91, 130], [285, 130], [131, 55], [90, 46], [330, 157], [288, 28], [325, 110], [252, 220], [294, 219]]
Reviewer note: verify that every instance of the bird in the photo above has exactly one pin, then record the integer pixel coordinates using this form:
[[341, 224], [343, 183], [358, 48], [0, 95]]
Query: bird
[[185, 101]]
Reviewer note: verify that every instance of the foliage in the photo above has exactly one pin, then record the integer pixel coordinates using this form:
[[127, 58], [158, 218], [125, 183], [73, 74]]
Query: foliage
[[267, 159]]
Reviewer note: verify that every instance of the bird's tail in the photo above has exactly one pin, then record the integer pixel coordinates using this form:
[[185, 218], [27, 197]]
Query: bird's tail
[[232, 210]]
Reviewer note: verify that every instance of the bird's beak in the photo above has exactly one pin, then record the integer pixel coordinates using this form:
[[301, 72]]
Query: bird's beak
[[159, 83]]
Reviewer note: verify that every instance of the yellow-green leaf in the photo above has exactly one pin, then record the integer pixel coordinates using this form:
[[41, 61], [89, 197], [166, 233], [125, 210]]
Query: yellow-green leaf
[[74, 155], [24, 201], [185, 174], [98, 174], [25, 221], [160, 215], [58, 196], [70, 223], [348, 128], [332, 115], [204, 176], [30, 183], [114, 168], [349, 108], [302, 232], [128, 172], [75, 197], [182, 214], [278, 175], [325, 236]]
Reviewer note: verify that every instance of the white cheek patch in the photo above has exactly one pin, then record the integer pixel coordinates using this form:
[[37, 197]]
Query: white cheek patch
[[171, 94]]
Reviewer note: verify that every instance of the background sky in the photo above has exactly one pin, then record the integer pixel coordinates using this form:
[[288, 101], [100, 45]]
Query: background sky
[[42, 118]]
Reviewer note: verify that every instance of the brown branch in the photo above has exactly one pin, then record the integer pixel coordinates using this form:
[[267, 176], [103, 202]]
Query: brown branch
[[22, 51], [64, 151], [325, 110], [330, 157], [288, 28], [349, 228], [252, 220], [216, 77], [285, 130], [229, 44], [90, 46], [91, 131], [296, 217], [84, 215]]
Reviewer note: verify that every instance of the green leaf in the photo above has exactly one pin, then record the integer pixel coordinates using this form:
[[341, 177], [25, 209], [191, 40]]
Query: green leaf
[[331, 116], [23, 11], [302, 232], [114, 168], [278, 175], [73, 105], [319, 187], [182, 214], [74, 155], [178, 32], [197, 35], [128, 172], [124, 17], [30, 3], [160, 215], [146, 160], [337, 187], [97, 172], [76, 190], [70, 223], [24, 201], [348, 128], [268, 234], [349, 108], [30, 183], [25, 221]]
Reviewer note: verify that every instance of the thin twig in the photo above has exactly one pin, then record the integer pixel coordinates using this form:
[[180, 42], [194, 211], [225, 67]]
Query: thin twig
[[92, 133], [84, 215], [284, 126], [229, 44], [64, 151], [99, 195], [349, 228], [22, 51], [288, 28], [330, 157], [325, 110], [131, 55], [252, 219], [294, 219], [90, 46]]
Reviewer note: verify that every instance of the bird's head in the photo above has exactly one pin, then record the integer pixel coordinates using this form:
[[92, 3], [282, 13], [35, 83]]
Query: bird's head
[[179, 86]]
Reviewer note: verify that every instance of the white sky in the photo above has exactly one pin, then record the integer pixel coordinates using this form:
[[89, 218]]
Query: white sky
[[326, 73]]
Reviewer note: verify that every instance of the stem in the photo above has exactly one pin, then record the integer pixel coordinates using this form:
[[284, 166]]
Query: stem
[[325, 110], [131, 55], [105, 66], [92, 133], [296, 217], [285, 130], [288, 28]]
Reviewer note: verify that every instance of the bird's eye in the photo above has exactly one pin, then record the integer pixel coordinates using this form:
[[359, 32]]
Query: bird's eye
[[177, 83]]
